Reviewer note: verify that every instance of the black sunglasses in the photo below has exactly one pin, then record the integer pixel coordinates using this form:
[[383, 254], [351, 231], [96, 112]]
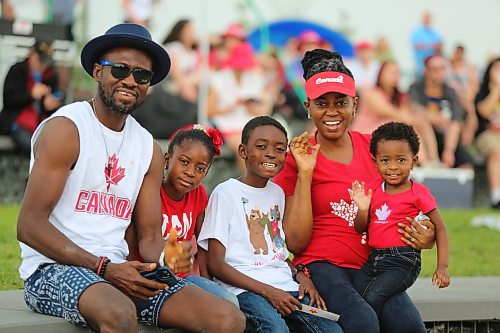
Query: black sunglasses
[[121, 71]]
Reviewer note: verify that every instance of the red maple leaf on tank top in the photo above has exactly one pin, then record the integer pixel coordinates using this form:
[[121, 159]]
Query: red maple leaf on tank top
[[113, 172]]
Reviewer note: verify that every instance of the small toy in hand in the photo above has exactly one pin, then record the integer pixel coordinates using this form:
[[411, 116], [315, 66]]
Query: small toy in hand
[[172, 249]]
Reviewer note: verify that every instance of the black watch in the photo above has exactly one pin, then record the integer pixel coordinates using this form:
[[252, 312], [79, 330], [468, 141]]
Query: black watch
[[295, 271]]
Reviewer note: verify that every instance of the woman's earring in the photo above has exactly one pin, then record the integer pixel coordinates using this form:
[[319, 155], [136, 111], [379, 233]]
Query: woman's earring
[[308, 115], [354, 113]]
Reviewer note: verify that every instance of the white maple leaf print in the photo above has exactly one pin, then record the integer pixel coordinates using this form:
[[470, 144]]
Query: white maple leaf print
[[344, 210], [383, 212]]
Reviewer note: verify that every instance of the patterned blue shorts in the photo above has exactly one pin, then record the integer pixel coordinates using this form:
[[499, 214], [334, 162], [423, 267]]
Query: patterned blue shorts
[[55, 289]]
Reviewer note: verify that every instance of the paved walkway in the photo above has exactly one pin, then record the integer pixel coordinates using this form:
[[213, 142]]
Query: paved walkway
[[467, 298]]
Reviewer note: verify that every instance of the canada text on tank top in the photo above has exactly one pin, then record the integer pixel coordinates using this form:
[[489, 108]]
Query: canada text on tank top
[[101, 203], [110, 190], [105, 203]]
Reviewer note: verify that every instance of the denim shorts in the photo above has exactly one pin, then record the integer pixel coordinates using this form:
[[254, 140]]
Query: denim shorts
[[54, 289]]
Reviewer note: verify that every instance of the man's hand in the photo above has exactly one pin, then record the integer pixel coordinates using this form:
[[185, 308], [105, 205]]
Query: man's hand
[[126, 277]]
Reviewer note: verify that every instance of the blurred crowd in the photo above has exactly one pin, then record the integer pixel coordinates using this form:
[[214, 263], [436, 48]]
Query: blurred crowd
[[453, 104]]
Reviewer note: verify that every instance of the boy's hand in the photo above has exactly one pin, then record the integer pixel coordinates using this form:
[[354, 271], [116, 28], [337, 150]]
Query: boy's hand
[[282, 300], [441, 277], [307, 287], [358, 195], [303, 152]]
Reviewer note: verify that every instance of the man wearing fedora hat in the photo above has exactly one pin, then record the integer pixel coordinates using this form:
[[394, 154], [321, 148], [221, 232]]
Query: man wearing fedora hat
[[93, 171]]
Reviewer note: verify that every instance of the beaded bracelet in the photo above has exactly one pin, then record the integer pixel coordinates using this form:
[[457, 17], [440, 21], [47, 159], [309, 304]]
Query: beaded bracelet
[[101, 268], [304, 269]]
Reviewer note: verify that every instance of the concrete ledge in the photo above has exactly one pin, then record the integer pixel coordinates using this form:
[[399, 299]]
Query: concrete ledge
[[466, 299], [16, 317]]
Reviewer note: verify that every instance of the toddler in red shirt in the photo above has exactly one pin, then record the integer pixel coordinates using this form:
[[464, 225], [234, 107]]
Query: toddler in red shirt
[[393, 266]]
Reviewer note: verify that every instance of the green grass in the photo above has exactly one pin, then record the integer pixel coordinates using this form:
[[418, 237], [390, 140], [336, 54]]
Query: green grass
[[474, 251], [9, 248]]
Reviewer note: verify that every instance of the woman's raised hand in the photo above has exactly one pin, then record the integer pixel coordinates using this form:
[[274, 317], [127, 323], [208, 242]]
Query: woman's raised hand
[[303, 152]]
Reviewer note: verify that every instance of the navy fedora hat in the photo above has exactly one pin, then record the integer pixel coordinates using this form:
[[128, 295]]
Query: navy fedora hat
[[127, 35]]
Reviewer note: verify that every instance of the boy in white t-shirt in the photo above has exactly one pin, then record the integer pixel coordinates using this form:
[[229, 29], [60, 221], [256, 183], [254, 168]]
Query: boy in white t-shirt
[[244, 237]]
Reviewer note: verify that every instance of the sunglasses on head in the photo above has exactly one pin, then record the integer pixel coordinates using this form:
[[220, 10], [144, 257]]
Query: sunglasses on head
[[122, 71]]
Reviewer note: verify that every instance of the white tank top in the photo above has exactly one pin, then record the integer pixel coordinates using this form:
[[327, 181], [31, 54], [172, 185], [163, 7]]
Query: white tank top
[[95, 209]]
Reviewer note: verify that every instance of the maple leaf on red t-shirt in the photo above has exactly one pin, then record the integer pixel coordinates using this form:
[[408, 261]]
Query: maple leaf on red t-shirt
[[113, 173]]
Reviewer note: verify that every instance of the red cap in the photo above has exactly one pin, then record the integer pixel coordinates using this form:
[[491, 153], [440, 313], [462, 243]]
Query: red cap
[[241, 57], [364, 44], [325, 82], [234, 30], [309, 36]]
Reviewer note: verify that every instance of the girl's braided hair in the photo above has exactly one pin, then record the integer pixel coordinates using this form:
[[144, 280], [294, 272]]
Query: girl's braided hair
[[319, 60]]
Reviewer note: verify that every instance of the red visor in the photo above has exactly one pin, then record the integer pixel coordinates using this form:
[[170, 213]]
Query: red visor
[[326, 82]]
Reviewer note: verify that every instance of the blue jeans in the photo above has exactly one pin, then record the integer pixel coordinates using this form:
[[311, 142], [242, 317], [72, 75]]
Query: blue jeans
[[387, 272], [266, 319], [334, 283], [212, 288]]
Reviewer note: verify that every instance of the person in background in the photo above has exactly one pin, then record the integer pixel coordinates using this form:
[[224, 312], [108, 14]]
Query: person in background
[[138, 11], [30, 94], [237, 94], [93, 171], [181, 43], [426, 41], [364, 66], [433, 99], [319, 214], [487, 104], [462, 76], [243, 233], [385, 103], [383, 50], [232, 36]]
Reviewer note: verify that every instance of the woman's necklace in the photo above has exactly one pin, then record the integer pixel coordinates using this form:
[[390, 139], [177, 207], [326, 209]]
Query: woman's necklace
[[109, 166]]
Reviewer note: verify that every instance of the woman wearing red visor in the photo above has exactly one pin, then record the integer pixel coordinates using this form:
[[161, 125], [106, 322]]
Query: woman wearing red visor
[[319, 215]]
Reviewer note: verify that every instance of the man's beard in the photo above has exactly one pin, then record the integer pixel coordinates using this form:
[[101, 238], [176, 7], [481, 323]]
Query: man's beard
[[109, 101]]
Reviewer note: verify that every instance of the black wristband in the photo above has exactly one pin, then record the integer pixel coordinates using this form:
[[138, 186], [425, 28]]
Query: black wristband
[[102, 271], [304, 269], [294, 274]]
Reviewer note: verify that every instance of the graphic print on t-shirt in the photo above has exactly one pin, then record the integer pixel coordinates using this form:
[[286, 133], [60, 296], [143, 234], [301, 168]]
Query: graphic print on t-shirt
[[113, 172], [347, 212], [382, 214], [344, 210], [181, 226], [258, 222]]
